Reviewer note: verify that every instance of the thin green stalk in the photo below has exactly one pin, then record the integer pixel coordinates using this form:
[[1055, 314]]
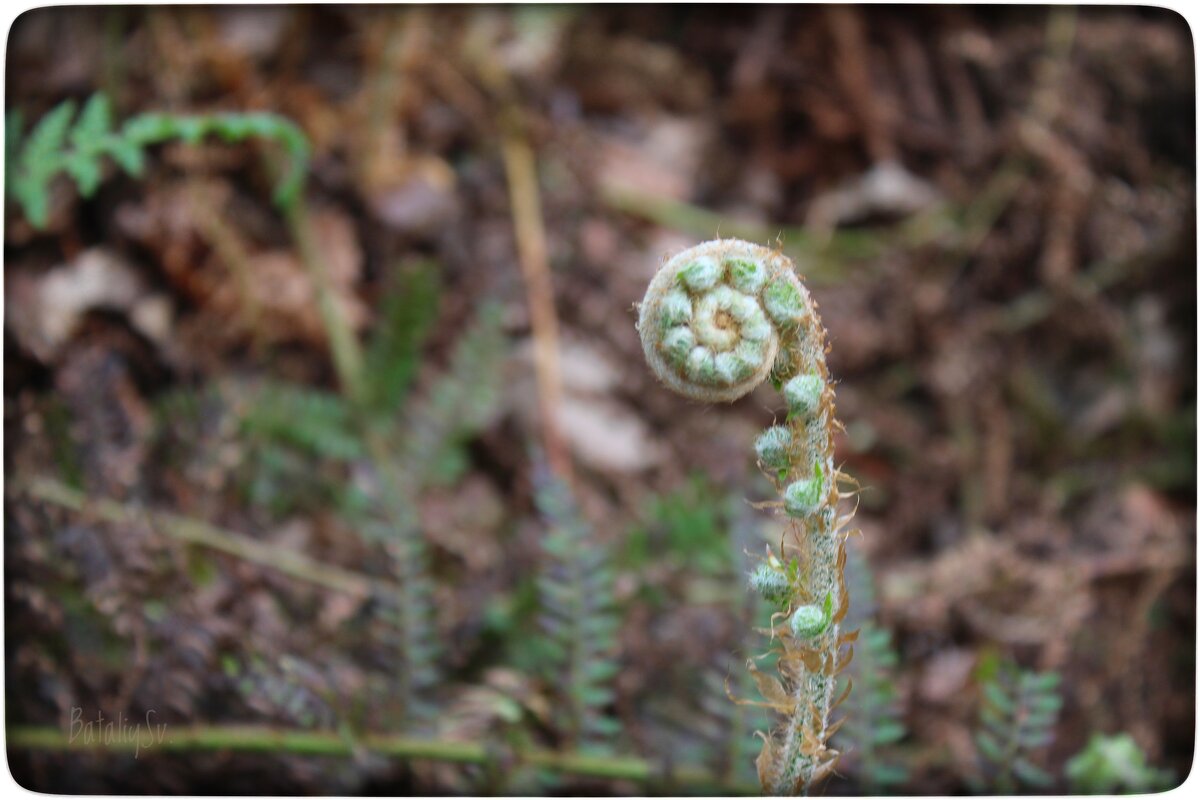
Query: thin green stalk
[[343, 343], [251, 739]]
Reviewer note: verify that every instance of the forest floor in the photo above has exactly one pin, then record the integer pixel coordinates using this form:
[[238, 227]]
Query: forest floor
[[994, 209]]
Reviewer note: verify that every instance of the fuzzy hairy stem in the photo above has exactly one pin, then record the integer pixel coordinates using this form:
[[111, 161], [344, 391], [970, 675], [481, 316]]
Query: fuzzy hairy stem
[[719, 319]]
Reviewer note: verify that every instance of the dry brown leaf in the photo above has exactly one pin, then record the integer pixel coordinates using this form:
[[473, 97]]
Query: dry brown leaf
[[770, 688], [835, 727], [766, 759], [45, 310], [845, 662], [284, 291], [842, 697], [824, 769]]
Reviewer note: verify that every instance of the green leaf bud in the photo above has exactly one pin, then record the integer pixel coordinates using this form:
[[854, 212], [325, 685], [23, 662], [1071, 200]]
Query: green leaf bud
[[803, 497], [773, 447], [678, 344], [809, 622], [701, 366], [772, 584], [783, 302], [675, 309], [803, 394]]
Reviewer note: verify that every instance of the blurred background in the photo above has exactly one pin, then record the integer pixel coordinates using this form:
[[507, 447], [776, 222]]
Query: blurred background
[[374, 493]]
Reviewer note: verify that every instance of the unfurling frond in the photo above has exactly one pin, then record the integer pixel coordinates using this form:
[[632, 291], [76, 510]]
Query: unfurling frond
[[718, 320]]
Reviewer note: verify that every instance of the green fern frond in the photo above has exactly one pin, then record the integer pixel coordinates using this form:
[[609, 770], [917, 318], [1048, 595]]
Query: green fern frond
[[286, 688], [873, 716], [737, 743], [411, 632], [1017, 719], [315, 421], [874, 719], [457, 406], [297, 434], [61, 143], [407, 313], [860, 582], [578, 619]]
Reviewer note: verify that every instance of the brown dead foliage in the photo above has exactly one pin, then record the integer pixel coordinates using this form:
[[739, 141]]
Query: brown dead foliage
[[1011, 344]]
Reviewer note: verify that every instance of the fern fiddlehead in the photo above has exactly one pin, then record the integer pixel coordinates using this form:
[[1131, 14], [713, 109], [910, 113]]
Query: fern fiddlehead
[[717, 320]]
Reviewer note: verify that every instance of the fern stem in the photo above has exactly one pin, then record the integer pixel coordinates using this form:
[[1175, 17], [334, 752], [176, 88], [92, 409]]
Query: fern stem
[[252, 739], [343, 344]]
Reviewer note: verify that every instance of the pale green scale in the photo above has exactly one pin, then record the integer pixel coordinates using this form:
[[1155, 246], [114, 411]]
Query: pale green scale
[[803, 497], [774, 446], [803, 394], [731, 368], [677, 344], [772, 584], [675, 309], [701, 274], [724, 297], [784, 303], [701, 366], [756, 328], [752, 352], [743, 308], [809, 621], [746, 274]]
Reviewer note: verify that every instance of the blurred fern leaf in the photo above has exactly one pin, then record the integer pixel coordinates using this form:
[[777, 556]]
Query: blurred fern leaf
[[873, 715], [61, 143], [315, 421], [578, 619], [407, 313], [1017, 719]]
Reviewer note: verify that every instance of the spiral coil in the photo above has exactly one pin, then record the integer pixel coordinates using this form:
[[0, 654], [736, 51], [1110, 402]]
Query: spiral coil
[[715, 317]]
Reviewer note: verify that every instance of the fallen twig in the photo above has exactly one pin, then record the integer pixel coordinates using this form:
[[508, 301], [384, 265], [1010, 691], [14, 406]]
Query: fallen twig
[[193, 531]]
